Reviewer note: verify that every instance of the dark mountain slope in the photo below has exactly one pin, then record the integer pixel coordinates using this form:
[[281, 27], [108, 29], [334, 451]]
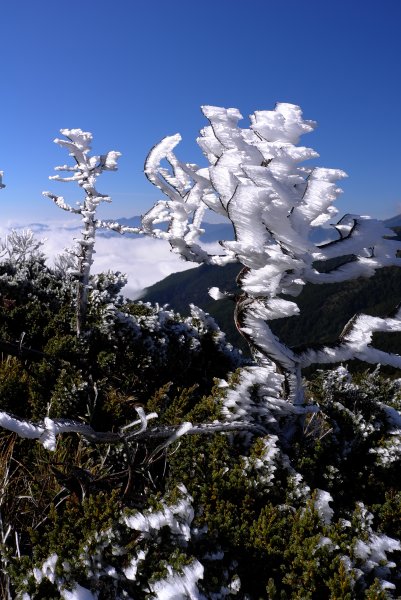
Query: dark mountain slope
[[324, 309], [393, 222], [181, 289]]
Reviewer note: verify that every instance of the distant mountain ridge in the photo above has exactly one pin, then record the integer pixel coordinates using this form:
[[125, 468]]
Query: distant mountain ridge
[[393, 221], [224, 231], [213, 231]]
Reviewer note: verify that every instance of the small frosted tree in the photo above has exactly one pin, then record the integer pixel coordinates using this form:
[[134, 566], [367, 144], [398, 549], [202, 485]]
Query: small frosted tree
[[21, 247], [255, 180], [85, 171]]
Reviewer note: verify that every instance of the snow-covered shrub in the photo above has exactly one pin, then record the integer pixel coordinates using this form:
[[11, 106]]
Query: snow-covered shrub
[[130, 347], [291, 516], [128, 555]]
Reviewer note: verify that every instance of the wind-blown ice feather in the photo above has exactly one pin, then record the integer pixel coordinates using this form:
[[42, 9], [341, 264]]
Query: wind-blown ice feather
[[254, 179]]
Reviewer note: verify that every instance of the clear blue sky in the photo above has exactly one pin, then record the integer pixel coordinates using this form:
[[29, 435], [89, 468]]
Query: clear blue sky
[[133, 71]]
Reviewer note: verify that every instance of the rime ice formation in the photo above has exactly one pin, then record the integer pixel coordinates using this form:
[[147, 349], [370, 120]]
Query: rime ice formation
[[255, 180]]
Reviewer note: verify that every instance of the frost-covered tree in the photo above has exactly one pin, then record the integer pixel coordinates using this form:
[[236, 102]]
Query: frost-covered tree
[[254, 179], [85, 171], [21, 247]]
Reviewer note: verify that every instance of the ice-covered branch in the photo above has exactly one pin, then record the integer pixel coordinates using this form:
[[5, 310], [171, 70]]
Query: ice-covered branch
[[2, 185], [356, 343], [48, 430], [115, 226], [183, 212], [61, 203]]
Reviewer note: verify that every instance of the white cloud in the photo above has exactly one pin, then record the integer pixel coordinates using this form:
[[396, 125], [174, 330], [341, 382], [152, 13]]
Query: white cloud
[[144, 260]]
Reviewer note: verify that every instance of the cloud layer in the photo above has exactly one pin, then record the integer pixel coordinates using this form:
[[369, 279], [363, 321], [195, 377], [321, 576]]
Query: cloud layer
[[144, 260]]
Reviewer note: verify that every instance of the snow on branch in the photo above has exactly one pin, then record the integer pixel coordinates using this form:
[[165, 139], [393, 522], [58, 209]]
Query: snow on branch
[[356, 342], [47, 431], [255, 180]]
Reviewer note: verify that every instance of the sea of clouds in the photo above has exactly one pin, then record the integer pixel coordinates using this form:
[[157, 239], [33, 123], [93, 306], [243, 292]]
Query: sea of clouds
[[144, 260]]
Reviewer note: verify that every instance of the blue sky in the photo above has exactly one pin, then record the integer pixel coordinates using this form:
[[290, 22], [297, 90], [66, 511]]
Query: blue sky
[[133, 71]]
